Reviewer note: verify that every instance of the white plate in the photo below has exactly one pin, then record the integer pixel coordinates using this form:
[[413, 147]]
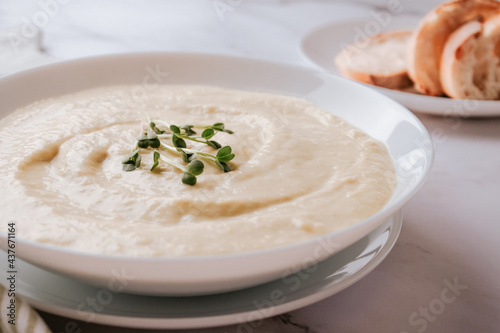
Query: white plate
[[321, 45], [407, 139], [62, 296]]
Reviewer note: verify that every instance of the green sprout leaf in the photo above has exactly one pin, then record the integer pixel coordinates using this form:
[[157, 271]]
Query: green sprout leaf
[[175, 129], [208, 133], [188, 179], [189, 130], [155, 129], [153, 140], [186, 157], [128, 167], [156, 160], [223, 166], [178, 142], [195, 167], [214, 144], [224, 154], [218, 126], [146, 140], [142, 141], [132, 161]]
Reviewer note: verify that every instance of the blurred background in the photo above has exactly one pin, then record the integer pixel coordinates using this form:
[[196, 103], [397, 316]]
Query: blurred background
[[35, 31]]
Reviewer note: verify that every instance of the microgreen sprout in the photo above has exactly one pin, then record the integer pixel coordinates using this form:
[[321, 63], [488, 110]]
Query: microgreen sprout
[[189, 130], [190, 171], [132, 161], [181, 133], [148, 139], [186, 157], [160, 130], [216, 127], [156, 160], [155, 128], [178, 141], [223, 156]]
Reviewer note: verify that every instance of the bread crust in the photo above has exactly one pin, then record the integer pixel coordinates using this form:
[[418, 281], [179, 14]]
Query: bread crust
[[426, 45], [398, 80]]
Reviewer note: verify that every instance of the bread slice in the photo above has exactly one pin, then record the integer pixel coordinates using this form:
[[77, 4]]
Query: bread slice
[[379, 60], [427, 42], [470, 63]]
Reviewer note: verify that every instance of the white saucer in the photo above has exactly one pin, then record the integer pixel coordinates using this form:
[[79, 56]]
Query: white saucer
[[65, 297], [321, 45]]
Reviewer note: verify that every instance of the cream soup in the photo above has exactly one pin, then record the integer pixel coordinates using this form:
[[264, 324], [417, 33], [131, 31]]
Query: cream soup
[[298, 172]]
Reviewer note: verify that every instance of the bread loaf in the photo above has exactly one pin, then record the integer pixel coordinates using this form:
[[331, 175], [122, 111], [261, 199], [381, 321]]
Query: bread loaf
[[426, 45]]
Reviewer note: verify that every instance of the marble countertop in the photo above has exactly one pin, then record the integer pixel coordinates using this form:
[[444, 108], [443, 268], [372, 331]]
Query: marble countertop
[[442, 274]]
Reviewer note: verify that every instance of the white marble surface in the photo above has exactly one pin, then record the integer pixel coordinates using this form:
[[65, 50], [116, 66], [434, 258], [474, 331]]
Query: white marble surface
[[451, 226]]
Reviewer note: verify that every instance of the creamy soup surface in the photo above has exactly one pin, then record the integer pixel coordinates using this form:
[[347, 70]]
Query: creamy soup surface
[[299, 172]]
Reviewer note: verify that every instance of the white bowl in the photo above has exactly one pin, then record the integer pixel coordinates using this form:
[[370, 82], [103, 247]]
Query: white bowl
[[408, 141]]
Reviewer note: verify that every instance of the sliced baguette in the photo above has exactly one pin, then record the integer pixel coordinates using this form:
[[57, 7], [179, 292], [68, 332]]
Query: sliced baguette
[[379, 60], [426, 45], [470, 63]]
